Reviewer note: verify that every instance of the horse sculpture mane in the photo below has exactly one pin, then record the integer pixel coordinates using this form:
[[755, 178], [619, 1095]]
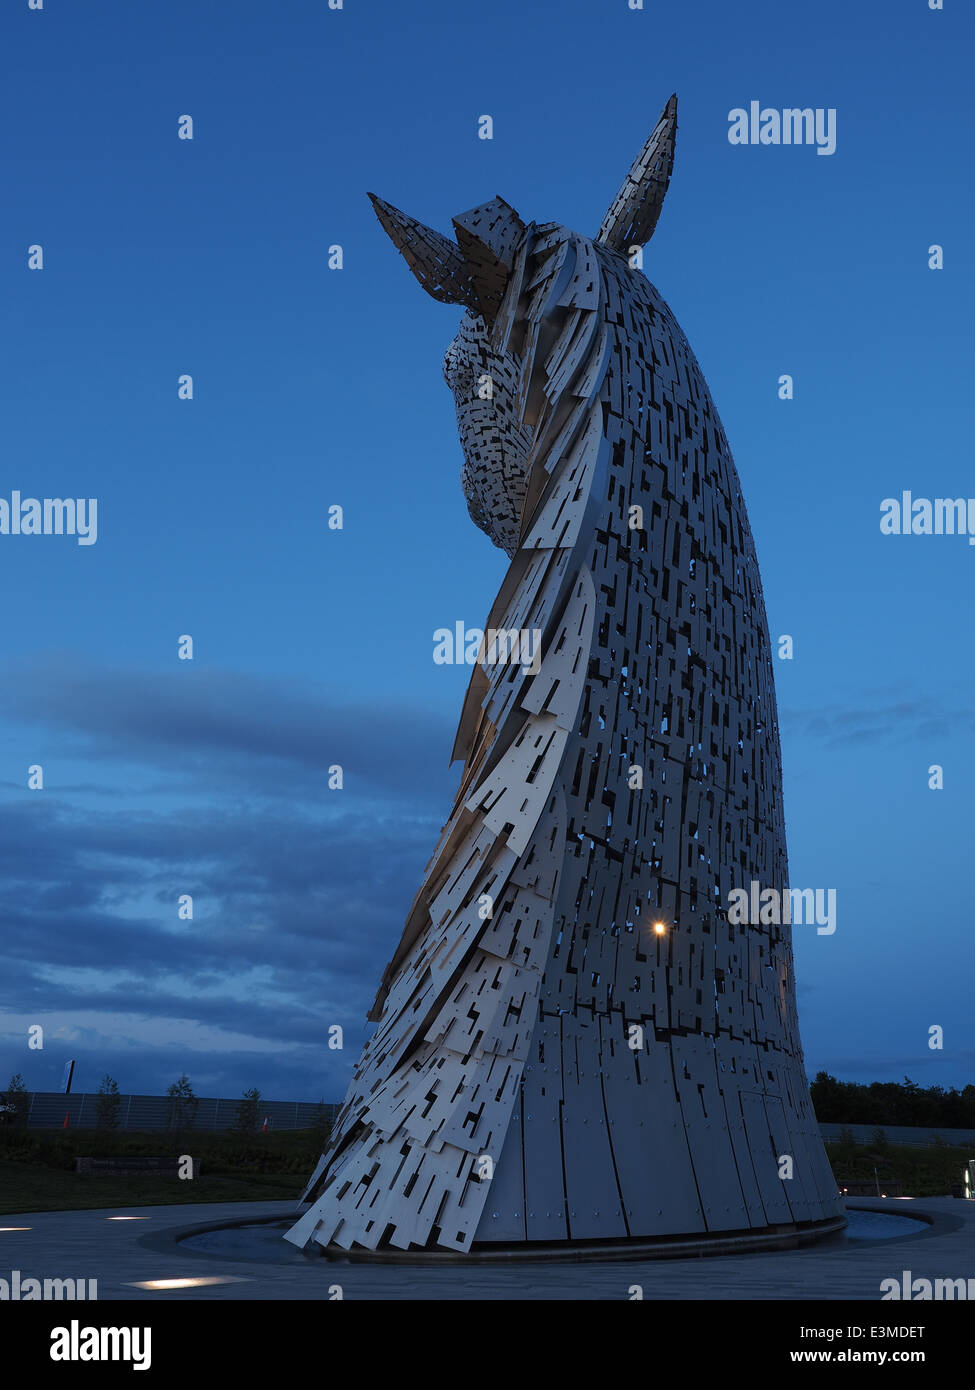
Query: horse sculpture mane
[[573, 1042]]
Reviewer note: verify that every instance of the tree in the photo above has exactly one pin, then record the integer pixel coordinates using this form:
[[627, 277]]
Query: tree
[[891, 1103], [19, 1097], [846, 1144], [249, 1112], [966, 1113], [321, 1125], [182, 1104], [944, 1162], [108, 1105], [831, 1099]]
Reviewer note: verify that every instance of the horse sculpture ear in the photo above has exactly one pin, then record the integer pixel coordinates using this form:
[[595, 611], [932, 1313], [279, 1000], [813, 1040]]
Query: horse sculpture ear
[[435, 260], [633, 213], [489, 236]]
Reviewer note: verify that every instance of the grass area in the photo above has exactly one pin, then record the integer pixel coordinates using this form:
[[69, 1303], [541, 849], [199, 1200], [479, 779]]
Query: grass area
[[932, 1171], [37, 1168], [25, 1188]]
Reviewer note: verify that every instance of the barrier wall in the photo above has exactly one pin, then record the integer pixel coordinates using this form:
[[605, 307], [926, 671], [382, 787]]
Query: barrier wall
[[48, 1109]]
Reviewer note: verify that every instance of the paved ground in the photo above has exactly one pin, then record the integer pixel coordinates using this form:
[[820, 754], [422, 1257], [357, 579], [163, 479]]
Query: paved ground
[[120, 1254]]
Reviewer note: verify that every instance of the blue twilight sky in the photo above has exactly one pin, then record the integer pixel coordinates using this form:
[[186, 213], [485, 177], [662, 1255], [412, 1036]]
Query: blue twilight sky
[[316, 387]]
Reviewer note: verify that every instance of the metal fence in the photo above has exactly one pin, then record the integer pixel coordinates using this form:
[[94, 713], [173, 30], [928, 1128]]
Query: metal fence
[[48, 1110], [902, 1134]]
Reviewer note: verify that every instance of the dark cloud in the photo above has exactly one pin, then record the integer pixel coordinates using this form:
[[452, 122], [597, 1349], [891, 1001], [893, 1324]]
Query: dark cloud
[[191, 721], [900, 720], [299, 892]]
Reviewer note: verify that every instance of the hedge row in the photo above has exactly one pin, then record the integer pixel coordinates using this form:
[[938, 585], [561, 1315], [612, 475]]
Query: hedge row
[[224, 1151]]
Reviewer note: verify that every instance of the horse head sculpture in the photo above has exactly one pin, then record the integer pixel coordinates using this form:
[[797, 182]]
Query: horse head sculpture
[[520, 284], [573, 1040]]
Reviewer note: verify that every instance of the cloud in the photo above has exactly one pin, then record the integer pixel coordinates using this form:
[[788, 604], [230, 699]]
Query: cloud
[[901, 721], [269, 736], [299, 893]]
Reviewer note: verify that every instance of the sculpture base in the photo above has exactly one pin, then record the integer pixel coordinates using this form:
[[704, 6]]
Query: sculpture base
[[783, 1237]]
